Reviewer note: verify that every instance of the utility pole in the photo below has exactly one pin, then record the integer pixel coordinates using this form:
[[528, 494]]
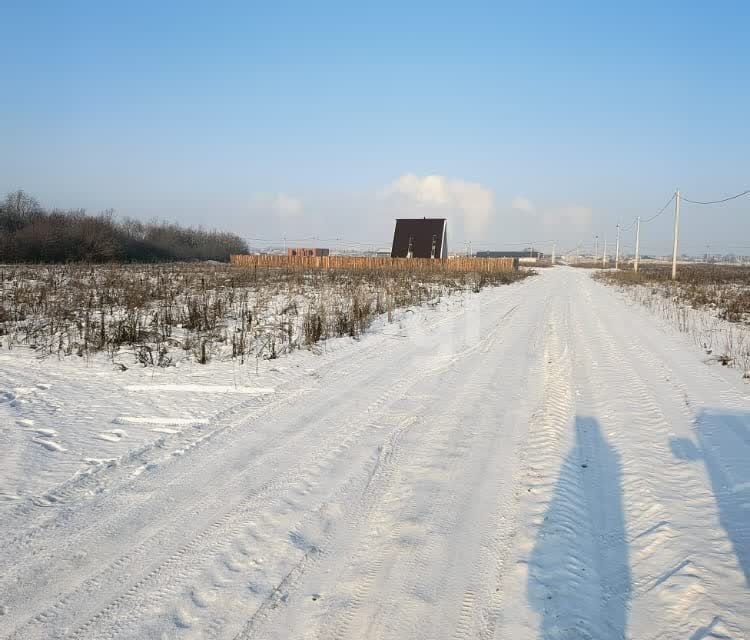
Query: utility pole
[[676, 234], [617, 250], [637, 243], [604, 252], [596, 247], [554, 246]]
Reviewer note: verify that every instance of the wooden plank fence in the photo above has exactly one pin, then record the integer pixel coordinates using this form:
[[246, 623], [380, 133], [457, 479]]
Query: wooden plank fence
[[459, 264]]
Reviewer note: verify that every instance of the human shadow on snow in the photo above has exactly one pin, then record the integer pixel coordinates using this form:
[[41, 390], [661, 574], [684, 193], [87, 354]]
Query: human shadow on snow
[[579, 575], [723, 444]]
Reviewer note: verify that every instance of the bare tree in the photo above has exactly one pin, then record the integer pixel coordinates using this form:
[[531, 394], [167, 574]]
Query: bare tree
[[28, 233], [17, 210]]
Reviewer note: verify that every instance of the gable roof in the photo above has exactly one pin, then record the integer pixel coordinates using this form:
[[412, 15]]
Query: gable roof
[[420, 234]]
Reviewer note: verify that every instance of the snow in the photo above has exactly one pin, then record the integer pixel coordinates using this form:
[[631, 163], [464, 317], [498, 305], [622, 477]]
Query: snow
[[200, 388], [542, 460]]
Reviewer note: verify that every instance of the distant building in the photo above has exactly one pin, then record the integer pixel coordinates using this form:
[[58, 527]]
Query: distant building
[[420, 238], [294, 252], [527, 255]]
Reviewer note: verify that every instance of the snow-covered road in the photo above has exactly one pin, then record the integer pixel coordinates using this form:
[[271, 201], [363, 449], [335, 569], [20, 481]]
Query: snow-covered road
[[542, 461]]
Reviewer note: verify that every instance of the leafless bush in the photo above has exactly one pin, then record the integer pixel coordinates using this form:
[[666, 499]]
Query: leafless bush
[[723, 288], [159, 313], [709, 302], [29, 233]]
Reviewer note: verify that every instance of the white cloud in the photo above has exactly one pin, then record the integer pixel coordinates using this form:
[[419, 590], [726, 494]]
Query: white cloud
[[286, 206], [282, 205], [440, 195], [521, 203]]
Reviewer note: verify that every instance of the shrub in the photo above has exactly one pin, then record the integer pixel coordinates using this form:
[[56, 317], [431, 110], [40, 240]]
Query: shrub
[[28, 233]]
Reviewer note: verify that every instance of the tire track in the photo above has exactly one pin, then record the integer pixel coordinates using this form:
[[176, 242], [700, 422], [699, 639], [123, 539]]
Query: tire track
[[574, 511], [202, 541], [88, 484], [377, 481], [187, 471], [188, 554], [385, 565], [372, 541], [489, 506], [660, 405]]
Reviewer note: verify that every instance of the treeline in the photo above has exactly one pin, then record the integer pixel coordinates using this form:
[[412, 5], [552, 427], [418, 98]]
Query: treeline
[[29, 233]]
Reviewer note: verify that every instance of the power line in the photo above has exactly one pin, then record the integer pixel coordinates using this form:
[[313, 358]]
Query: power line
[[734, 197], [340, 241], [677, 198], [343, 241], [718, 245], [527, 243], [662, 210]]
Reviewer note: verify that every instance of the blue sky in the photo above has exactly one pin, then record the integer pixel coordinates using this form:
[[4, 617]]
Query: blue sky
[[519, 121]]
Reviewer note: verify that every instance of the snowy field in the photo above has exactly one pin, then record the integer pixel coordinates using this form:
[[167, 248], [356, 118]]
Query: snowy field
[[546, 460]]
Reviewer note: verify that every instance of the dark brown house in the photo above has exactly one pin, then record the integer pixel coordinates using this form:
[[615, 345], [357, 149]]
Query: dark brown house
[[307, 253], [420, 238]]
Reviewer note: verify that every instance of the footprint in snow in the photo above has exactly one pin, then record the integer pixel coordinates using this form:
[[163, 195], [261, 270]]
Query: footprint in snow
[[46, 433], [114, 435], [50, 445]]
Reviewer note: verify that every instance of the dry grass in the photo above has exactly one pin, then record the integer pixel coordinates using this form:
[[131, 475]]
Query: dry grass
[[725, 288], [709, 302], [162, 313], [596, 264]]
